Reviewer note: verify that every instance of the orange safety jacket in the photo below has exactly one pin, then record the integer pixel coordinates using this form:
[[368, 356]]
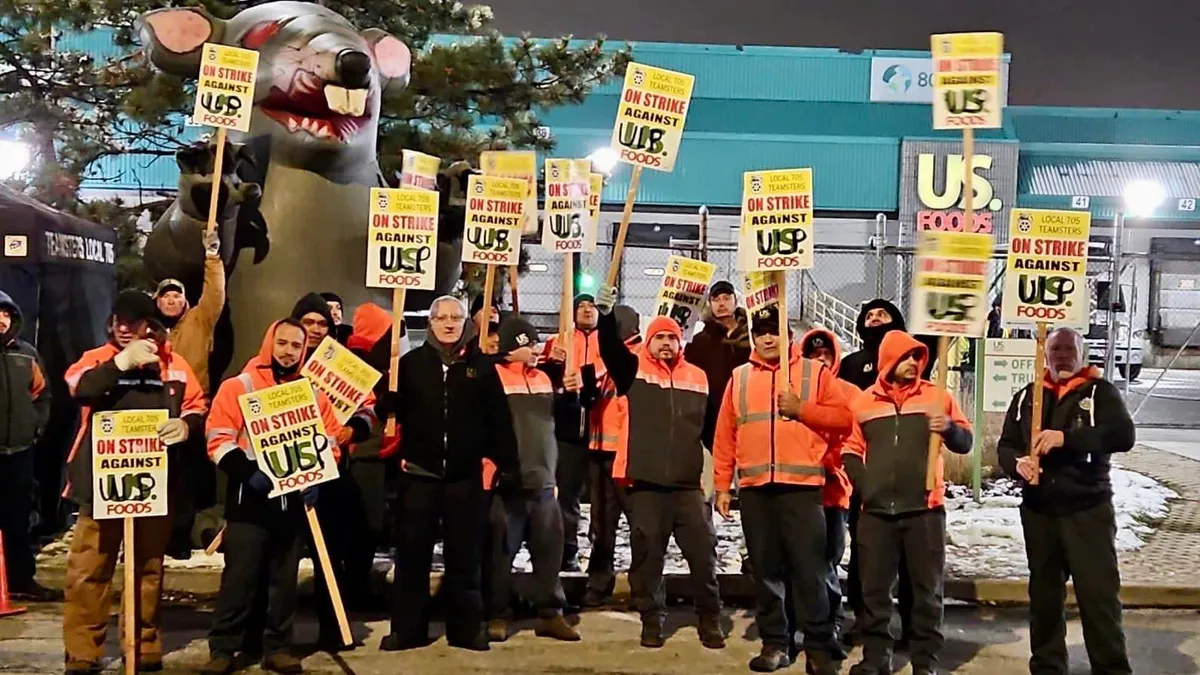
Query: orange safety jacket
[[610, 412], [837, 484], [763, 446]]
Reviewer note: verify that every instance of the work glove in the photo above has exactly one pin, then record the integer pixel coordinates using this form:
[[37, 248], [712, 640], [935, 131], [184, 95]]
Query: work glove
[[173, 431], [606, 299], [259, 482], [212, 243], [136, 354], [310, 495]]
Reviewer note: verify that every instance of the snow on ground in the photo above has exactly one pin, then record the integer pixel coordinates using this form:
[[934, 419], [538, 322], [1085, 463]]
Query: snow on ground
[[984, 540]]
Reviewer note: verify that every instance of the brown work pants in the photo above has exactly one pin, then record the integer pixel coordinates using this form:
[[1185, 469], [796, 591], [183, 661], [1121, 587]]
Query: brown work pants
[[90, 567]]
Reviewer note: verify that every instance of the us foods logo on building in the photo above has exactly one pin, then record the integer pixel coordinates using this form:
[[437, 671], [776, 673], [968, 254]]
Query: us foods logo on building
[[932, 194]]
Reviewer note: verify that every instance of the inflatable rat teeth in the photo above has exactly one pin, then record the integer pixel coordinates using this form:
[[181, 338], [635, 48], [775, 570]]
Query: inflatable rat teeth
[[311, 146]]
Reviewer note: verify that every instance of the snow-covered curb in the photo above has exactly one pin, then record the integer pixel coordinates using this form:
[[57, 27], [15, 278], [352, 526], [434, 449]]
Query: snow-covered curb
[[984, 540]]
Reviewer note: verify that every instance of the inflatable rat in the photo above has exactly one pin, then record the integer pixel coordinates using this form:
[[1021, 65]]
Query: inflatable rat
[[312, 142]]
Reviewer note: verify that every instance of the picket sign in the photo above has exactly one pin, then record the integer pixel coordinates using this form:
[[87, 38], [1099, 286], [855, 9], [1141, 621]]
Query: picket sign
[[943, 343]]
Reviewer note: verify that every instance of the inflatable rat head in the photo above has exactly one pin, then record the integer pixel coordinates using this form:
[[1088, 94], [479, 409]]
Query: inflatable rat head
[[320, 80]]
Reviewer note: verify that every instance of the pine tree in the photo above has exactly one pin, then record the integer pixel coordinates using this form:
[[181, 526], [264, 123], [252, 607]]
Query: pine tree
[[472, 94]]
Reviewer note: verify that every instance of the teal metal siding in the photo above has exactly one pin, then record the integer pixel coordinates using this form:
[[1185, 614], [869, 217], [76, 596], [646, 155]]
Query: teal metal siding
[[1106, 126], [1051, 182], [859, 174]]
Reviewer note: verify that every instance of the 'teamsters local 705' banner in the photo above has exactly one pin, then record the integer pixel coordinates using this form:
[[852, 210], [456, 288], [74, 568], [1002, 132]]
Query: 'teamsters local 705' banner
[[1045, 280], [649, 127], [495, 211], [288, 436], [402, 238], [345, 379], [950, 283], [777, 220], [684, 290], [129, 464]]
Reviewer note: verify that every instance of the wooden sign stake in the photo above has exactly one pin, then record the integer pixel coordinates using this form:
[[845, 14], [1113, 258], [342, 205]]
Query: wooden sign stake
[[218, 167], [614, 267], [129, 595], [1039, 365], [489, 288], [968, 182], [335, 594], [389, 429], [512, 284], [784, 337], [567, 312]]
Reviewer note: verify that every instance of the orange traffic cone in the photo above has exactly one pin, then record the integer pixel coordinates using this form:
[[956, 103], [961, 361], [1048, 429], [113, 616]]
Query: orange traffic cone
[[6, 606]]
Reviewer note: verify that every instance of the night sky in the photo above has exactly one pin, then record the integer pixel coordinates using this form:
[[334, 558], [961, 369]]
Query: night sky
[[1102, 53]]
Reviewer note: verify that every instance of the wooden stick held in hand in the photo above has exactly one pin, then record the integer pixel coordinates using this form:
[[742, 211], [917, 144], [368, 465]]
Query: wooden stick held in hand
[[935, 439], [218, 168], [1035, 423], [129, 595], [619, 247], [389, 429]]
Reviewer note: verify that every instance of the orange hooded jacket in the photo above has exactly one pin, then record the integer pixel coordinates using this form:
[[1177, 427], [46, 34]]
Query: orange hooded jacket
[[228, 443], [888, 445], [837, 483], [763, 446]]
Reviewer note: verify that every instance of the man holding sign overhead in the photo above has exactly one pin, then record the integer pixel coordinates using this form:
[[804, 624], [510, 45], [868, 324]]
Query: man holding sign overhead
[[264, 510]]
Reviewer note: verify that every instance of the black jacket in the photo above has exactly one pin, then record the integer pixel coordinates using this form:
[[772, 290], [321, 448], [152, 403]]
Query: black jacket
[[717, 352], [24, 391], [861, 367], [452, 417], [1095, 424]]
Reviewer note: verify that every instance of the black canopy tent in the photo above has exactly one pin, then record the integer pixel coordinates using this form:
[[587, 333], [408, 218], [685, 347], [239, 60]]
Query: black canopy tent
[[61, 271]]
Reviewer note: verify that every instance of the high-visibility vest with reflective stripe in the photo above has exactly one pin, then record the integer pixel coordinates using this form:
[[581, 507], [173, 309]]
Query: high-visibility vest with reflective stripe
[[770, 448]]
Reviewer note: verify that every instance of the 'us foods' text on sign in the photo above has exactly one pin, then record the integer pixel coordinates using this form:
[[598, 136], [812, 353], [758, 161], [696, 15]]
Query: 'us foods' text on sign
[[402, 238], [684, 290], [950, 283], [345, 379], [495, 211], [129, 464], [288, 436], [520, 164], [567, 225], [419, 170], [777, 220], [966, 80], [225, 90], [1045, 279], [650, 116]]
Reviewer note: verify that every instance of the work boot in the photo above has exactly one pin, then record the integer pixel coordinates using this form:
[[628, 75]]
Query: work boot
[[770, 659], [652, 633], [556, 627], [871, 667], [593, 599], [81, 667], [571, 565], [497, 630], [709, 628], [282, 662], [394, 643], [479, 643], [32, 591], [218, 664], [819, 663]]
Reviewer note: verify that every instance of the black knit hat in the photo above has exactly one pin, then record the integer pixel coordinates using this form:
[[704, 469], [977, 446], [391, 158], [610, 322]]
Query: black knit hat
[[132, 306], [815, 341], [333, 297], [477, 305], [765, 321], [312, 303], [514, 333], [584, 297], [721, 288]]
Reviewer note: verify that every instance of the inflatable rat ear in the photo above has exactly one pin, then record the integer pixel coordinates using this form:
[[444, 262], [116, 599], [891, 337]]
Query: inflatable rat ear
[[392, 58], [174, 37]]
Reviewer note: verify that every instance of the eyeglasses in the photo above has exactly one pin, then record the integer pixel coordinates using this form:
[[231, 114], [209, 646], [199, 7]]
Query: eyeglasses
[[448, 318]]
